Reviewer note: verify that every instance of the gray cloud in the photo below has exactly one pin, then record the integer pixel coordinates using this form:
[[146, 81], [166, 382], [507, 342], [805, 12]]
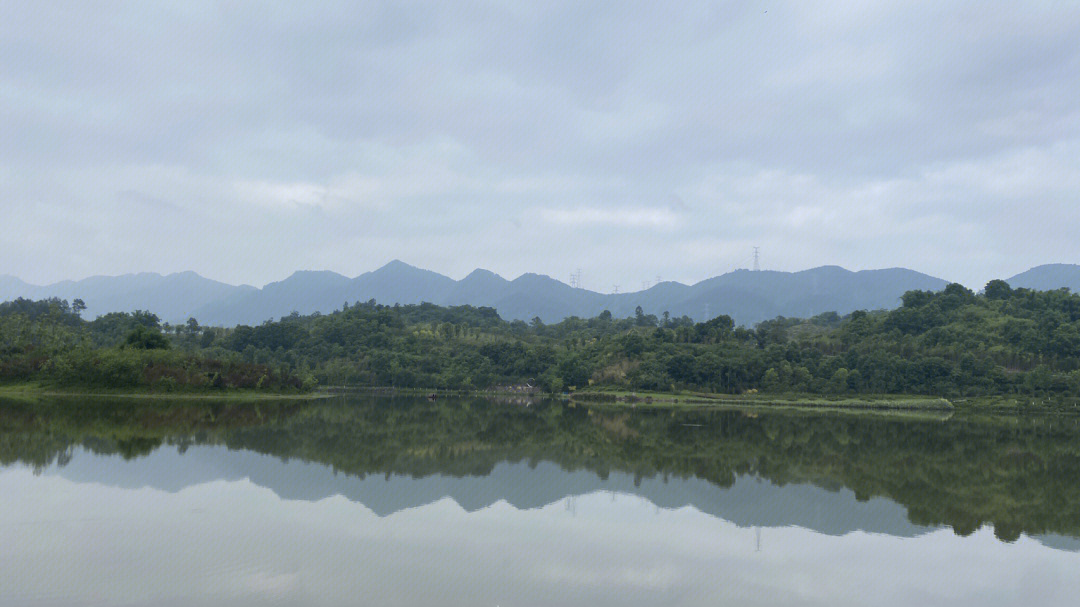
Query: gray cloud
[[246, 141]]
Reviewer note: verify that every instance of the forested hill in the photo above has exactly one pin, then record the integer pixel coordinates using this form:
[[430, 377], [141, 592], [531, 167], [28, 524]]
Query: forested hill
[[946, 343], [748, 297]]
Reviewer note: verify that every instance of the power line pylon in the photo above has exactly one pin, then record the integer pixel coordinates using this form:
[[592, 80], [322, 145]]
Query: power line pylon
[[575, 279]]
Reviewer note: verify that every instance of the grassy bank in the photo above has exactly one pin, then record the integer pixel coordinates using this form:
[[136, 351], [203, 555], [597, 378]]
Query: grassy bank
[[36, 389], [698, 399], [1016, 404], [689, 399]]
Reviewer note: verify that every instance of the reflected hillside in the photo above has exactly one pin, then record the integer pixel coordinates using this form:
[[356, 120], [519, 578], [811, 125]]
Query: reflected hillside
[[834, 473]]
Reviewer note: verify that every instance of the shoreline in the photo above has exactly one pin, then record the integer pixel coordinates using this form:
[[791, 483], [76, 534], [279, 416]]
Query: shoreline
[[35, 390], [799, 401], [615, 398]]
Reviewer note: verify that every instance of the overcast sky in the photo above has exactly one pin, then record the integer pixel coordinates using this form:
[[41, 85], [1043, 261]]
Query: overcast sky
[[629, 140]]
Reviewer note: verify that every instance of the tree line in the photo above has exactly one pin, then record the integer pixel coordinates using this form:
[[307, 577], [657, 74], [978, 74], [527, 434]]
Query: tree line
[[949, 343]]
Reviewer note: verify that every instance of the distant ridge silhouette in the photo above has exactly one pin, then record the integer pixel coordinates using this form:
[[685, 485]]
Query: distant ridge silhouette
[[748, 297], [1048, 277]]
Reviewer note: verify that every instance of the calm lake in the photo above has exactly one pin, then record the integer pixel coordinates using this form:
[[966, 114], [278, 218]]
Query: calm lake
[[387, 501]]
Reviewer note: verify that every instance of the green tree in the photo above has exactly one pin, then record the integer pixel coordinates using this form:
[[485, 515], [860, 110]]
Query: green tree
[[146, 338], [997, 290]]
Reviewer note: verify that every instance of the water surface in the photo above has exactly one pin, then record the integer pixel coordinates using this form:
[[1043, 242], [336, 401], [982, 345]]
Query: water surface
[[471, 502]]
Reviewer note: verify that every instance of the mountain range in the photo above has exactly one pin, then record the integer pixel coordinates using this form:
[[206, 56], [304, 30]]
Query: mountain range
[[747, 296]]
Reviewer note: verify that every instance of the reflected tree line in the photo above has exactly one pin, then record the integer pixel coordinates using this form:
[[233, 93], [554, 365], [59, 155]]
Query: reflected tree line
[[1019, 474]]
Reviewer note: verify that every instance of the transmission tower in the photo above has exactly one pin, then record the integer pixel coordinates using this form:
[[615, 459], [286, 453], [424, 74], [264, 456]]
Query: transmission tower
[[757, 259], [616, 289]]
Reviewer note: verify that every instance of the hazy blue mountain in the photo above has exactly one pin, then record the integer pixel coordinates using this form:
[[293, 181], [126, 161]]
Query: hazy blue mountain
[[304, 292], [307, 292], [1049, 277], [536, 295], [755, 296], [480, 287], [11, 288], [172, 297], [398, 282], [748, 297]]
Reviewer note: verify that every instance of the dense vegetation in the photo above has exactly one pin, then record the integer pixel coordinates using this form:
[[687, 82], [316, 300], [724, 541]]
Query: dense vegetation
[[47, 341], [1020, 474], [948, 343]]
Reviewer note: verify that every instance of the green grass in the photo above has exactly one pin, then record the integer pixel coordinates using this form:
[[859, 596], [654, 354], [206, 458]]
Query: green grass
[[35, 389], [1019, 404], [687, 398], [991, 404]]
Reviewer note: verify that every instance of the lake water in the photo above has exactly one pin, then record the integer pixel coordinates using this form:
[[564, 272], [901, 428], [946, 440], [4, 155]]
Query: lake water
[[364, 501]]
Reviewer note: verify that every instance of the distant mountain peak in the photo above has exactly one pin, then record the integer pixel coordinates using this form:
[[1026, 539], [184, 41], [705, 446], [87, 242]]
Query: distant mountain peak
[[482, 273], [309, 276], [533, 277], [316, 273], [397, 264]]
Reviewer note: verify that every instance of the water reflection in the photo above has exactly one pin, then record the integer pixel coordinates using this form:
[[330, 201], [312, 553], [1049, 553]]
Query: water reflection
[[403, 502], [833, 473]]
